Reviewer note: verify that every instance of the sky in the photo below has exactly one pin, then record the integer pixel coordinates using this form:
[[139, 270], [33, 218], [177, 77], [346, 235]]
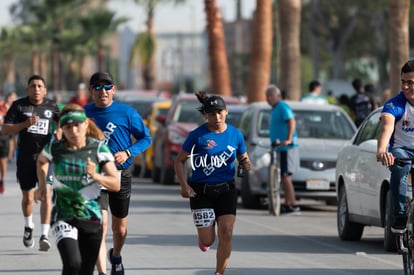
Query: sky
[[188, 17]]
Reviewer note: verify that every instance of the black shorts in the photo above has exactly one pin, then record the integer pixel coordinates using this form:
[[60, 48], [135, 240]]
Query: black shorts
[[288, 161], [222, 198], [118, 201], [4, 146], [27, 175]]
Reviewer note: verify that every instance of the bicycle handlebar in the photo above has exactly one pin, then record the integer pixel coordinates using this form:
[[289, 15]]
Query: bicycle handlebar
[[278, 144], [403, 161]]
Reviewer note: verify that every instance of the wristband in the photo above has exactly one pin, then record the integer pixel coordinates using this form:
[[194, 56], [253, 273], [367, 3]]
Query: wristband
[[128, 153]]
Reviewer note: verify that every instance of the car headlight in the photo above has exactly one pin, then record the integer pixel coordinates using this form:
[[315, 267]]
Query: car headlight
[[175, 138]]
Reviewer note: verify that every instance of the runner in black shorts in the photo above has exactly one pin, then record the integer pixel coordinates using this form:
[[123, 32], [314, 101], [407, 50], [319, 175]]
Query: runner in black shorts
[[4, 153], [119, 122], [5, 140], [31, 118], [212, 149]]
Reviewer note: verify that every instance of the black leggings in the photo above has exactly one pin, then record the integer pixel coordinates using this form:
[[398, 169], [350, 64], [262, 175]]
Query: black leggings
[[79, 256]]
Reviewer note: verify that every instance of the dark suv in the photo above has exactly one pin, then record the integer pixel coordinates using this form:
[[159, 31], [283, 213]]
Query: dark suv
[[182, 117]]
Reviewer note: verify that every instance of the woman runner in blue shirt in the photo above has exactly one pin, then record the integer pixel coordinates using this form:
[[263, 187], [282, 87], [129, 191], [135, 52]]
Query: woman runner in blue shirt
[[212, 149]]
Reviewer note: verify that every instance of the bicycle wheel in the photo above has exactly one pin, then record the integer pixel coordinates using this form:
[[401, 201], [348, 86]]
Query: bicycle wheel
[[274, 191], [407, 258]]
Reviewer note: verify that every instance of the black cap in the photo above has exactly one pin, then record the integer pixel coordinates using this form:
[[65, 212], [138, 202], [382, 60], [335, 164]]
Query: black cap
[[214, 103], [99, 76]]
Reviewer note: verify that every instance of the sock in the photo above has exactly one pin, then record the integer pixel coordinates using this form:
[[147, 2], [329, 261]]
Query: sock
[[44, 228], [28, 221]]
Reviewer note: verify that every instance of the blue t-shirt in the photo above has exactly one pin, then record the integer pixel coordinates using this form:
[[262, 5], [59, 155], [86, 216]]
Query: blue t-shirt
[[403, 112], [118, 122], [212, 155], [279, 126]]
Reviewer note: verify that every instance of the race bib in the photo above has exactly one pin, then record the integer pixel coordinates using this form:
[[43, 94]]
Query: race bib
[[204, 217], [40, 128], [63, 230]]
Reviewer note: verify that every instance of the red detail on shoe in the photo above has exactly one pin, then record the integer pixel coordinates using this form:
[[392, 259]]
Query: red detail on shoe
[[202, 247], [1, 187]]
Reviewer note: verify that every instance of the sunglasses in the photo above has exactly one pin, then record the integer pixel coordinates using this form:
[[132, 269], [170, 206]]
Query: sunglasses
[[99, 87]]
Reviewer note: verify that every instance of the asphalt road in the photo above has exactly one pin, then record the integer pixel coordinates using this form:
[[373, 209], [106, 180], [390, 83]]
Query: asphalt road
[[162, 240]]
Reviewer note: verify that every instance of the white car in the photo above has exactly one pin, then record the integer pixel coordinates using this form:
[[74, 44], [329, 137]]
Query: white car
[[362, 185], [322, 131]]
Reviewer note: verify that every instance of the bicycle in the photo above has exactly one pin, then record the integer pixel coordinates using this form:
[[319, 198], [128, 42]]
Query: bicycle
[[273, 192], [405, 239]]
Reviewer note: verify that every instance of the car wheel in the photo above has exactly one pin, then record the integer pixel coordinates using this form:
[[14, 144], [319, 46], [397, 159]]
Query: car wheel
[[249, 201], [347, 230], [155, 174], [167, 176], [389, 237]]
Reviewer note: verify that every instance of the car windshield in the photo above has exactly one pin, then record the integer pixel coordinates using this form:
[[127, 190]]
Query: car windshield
[[186, 111], [233, 118], [143, 107], [313, 124]]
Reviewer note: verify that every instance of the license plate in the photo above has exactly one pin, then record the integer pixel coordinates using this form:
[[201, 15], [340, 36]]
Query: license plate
[[317, 184]]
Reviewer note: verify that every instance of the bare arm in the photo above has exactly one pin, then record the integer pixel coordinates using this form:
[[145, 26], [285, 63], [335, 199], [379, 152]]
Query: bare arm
[[42, 168], [291, 130], [179, 165], [388, 128], [110, 179], [244, 161], [12, 129]]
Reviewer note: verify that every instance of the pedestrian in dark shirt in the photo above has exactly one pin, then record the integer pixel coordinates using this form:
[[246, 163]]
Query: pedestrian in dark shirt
[[360, 103]]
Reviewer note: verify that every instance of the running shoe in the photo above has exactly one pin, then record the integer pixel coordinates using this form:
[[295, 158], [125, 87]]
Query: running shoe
[[290, 210], [1, 187], [116, 262], [401, 243], [202, 247], [44, 243], [28, 237]]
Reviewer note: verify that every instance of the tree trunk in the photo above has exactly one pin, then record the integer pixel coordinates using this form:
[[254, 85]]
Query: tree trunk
[[399, 40], [219, 68], [261, 51], [148, 70], [289, 26], [35, 62]]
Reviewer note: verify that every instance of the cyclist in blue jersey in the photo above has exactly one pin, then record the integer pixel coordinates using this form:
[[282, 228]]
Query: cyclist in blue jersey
[[396, 140], [212, 149], [119, 122]]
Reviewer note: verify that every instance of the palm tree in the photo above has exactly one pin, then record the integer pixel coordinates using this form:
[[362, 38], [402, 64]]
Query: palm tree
[[98, 24], [399, 40], [9, 43], [219, 68], [261, 51], [145, 45], [289, 26]]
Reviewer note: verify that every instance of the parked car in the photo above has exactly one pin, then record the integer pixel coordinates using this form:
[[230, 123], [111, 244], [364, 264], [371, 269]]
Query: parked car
[[148, 104], [362, 185], [322, 131], [182, 117]]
